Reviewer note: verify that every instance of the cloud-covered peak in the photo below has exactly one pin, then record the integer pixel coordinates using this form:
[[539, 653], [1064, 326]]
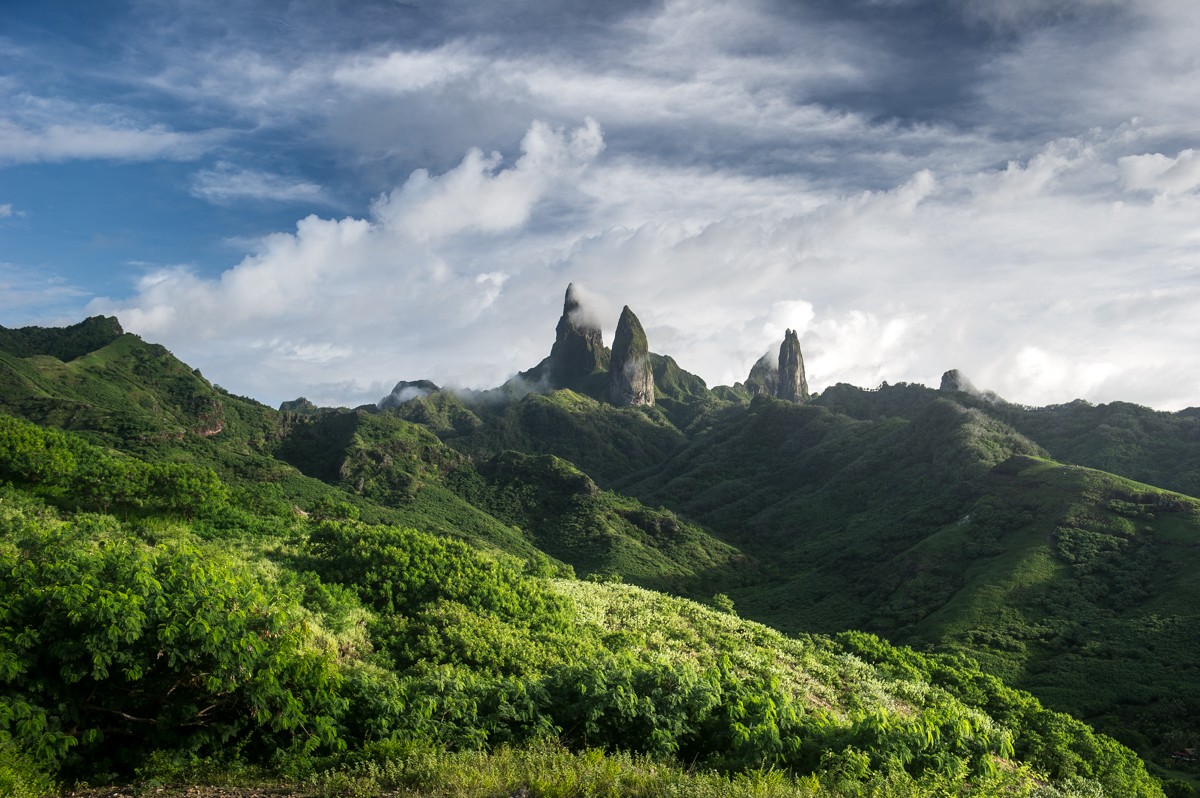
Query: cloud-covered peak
[[1005, 186]]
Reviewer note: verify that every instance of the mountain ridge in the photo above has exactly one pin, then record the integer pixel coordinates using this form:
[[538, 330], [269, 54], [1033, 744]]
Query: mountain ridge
[[845, 512]]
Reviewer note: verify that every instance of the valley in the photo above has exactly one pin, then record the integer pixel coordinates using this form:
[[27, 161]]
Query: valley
[[781, 579]]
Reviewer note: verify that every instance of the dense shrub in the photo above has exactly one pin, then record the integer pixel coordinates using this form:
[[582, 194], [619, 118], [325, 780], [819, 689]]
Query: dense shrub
[[1052, 742], [111, 647], [440, 601]]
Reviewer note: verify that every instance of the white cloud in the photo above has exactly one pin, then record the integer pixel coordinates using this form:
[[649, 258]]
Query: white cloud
[[404, 71], [6, 211], [1161, 174], [1007, 274], [225, 183], [1007, 233], [63, 142], [474, 196]]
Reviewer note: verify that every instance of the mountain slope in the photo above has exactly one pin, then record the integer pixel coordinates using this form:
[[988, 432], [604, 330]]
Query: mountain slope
[[140, 399], [1136, 442]]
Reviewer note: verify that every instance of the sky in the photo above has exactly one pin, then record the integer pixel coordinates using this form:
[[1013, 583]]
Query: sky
[[322, 198]]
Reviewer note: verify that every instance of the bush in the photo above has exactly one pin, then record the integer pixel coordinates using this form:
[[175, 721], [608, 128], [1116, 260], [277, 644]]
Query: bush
[[111, 648]]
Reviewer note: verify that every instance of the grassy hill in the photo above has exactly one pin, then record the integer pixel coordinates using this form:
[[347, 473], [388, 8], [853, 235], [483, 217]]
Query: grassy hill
[[137, 398], [928, 518], [363, 656], [1146, 445]]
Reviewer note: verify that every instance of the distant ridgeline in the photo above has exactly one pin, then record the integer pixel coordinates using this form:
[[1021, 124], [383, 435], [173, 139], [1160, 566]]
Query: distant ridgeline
[[1054, 550]]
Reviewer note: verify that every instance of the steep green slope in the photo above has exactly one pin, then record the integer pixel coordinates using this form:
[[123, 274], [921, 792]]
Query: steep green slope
[[388, 640], [1075, 584], [138, 398], [600, 532], [605, 442], [1136, 442], [63, 343], [825, 499], [949, 530], [521, 504], [1147, 445]]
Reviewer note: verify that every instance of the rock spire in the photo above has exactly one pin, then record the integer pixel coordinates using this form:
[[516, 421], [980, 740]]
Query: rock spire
[[578, 343], [630, 380], [793, 386], [783, 378]]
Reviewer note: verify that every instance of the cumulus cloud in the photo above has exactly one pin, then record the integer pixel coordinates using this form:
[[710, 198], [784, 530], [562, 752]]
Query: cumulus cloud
[[454, 279], [1157, 172], [994, 202], [226, 183], [475, 196]]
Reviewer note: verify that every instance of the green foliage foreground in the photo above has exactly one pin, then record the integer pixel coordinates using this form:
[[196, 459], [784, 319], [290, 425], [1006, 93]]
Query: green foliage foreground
[[339, 647]]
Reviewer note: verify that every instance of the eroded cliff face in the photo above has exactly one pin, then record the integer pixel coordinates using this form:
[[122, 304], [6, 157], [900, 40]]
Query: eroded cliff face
[[955, 380], [764, 376], [783, 378], [793, 385], [630, 380], [578, 344]]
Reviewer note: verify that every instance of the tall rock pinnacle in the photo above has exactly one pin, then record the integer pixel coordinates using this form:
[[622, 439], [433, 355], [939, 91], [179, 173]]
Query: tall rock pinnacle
[[793, 387], [578, 343], [630, 380]]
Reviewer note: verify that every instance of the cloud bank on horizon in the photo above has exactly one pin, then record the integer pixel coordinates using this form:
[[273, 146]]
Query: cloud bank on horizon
[[1007, 187]]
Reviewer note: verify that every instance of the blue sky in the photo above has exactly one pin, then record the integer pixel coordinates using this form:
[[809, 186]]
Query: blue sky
[[323, 198]]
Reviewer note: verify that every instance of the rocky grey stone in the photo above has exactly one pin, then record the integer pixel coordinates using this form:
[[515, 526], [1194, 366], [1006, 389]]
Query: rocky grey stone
[[630, 379], [793, 384]]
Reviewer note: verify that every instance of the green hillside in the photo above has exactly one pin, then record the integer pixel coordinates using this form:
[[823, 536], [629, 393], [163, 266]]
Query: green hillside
[[136, 646], [416, 543], [1147, 445], [853, 508], [137, 398]]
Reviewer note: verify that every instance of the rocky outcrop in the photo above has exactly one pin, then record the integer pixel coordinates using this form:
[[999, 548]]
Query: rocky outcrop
[[578, 344], [782, 377], [955, 380], [630, 379], [764, 377], [793, 385], [301, 406], [405, 391]]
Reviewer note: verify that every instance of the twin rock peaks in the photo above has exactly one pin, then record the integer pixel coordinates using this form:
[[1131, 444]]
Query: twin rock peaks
[[579, 355], [579, 352]]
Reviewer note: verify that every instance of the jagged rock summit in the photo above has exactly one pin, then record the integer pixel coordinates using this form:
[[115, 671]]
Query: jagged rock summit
[[955, 380], [578, 349], [793, 385], [578, 343], [300, 406], [630, 379], [764, 376], [784, 378]]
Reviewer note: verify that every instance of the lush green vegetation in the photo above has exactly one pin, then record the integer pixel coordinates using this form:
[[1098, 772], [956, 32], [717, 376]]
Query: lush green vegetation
[[136, 645], [363, 591]]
